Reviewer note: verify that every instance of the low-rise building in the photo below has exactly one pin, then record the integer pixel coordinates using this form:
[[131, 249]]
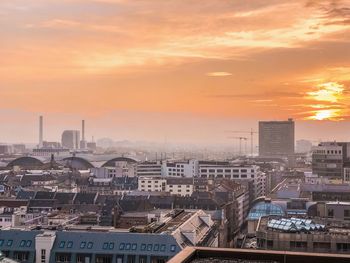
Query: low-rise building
[[158, 243], [303, 235]]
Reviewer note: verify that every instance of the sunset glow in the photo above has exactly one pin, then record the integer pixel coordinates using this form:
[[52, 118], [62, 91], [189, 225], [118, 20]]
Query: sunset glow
[[232, 60]]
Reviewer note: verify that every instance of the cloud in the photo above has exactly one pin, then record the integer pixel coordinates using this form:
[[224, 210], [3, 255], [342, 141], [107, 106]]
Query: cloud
[[219, 74]]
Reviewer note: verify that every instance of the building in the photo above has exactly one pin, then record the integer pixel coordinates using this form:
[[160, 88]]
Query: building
[[329, 159], [303, 235], [47, 152], [158, 244], [180, 168], [303, 146], [5, 149], [235, 172], [120, 169], [276, 138], [172, 185], [149, 168], [71, 139]]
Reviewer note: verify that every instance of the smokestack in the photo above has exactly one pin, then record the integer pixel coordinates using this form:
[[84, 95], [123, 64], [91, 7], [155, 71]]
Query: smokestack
[[83, 130], [41, 132]]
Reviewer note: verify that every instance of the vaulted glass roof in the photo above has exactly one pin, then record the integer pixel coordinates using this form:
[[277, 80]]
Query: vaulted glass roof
[[265, 209]]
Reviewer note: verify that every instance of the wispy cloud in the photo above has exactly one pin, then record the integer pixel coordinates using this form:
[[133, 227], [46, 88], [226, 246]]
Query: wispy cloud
[[219, 74]]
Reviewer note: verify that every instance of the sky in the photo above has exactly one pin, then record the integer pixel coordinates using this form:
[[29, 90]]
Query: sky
[[174, 70]]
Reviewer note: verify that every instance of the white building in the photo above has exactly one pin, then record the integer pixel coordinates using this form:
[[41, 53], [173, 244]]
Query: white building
[[237, 173], [151, 184], [180, 168], [172, 185], [121, 169]]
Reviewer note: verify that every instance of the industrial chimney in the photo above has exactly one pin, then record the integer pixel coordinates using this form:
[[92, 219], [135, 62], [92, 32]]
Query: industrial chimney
[[41, 132], [83, 130], [83, 142]]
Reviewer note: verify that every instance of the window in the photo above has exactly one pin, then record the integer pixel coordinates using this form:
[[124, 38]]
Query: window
[[22, 244], [70, 244], [121, 246], [9, 243], [111, 245], [29, 243], [105, 245], [346, 214], [156, 247], [127, 246], [82, 244], [43, 255], [330, 213], [162, 248], [149, 247], [134, 246], [172, 248], [143, 247], [1, 242], [90, 245], [62, 244]]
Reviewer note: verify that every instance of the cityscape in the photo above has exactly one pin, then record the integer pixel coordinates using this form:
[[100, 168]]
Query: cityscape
[[152, 131]]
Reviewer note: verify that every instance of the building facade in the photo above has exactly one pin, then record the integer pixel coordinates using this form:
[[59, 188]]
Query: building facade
[[71, 139], [276, 138]]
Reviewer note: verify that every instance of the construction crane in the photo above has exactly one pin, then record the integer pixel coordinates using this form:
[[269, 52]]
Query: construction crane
[[251, 132], [240, 143]]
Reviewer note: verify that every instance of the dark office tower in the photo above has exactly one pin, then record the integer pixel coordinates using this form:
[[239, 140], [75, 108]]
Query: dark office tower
[[276, 138], [41, 131], [71, 139]]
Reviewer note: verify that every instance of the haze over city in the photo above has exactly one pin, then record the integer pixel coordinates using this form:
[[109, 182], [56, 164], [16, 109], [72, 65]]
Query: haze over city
[[181, 71], [174, 131]]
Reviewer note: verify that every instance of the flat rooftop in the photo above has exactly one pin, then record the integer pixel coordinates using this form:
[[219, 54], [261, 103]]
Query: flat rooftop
[[200, 254]]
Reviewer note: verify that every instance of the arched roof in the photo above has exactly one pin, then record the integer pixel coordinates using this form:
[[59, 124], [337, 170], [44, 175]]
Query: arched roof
[[265, 209], [77, 163], [111, 163], [26, 162]]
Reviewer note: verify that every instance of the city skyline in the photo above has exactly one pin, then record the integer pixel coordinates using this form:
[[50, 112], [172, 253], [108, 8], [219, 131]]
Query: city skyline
[[159, 69]]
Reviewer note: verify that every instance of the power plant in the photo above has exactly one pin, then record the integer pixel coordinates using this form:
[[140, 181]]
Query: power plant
[[70, 138]]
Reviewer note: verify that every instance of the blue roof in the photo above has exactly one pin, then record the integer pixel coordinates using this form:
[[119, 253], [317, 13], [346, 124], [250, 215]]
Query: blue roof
[[118, 242], [18, 240], [264, 209]]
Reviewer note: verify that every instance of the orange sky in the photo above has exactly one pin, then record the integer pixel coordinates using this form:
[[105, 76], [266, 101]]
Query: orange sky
[[186, 70]]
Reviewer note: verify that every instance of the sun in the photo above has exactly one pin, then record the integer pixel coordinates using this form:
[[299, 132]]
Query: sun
[[330, 93], [322, 115]]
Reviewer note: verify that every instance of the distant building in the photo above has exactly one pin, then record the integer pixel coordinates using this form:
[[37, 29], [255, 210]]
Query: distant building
[[91, 146], [50, 151], [120, 169], [71, 139], [149, 168], [276, 138], [303, 146], [19, 148], [5, 149]]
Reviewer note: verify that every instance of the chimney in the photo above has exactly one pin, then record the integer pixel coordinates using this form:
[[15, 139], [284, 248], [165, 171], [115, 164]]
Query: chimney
[[83, 130], [41, 131]]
